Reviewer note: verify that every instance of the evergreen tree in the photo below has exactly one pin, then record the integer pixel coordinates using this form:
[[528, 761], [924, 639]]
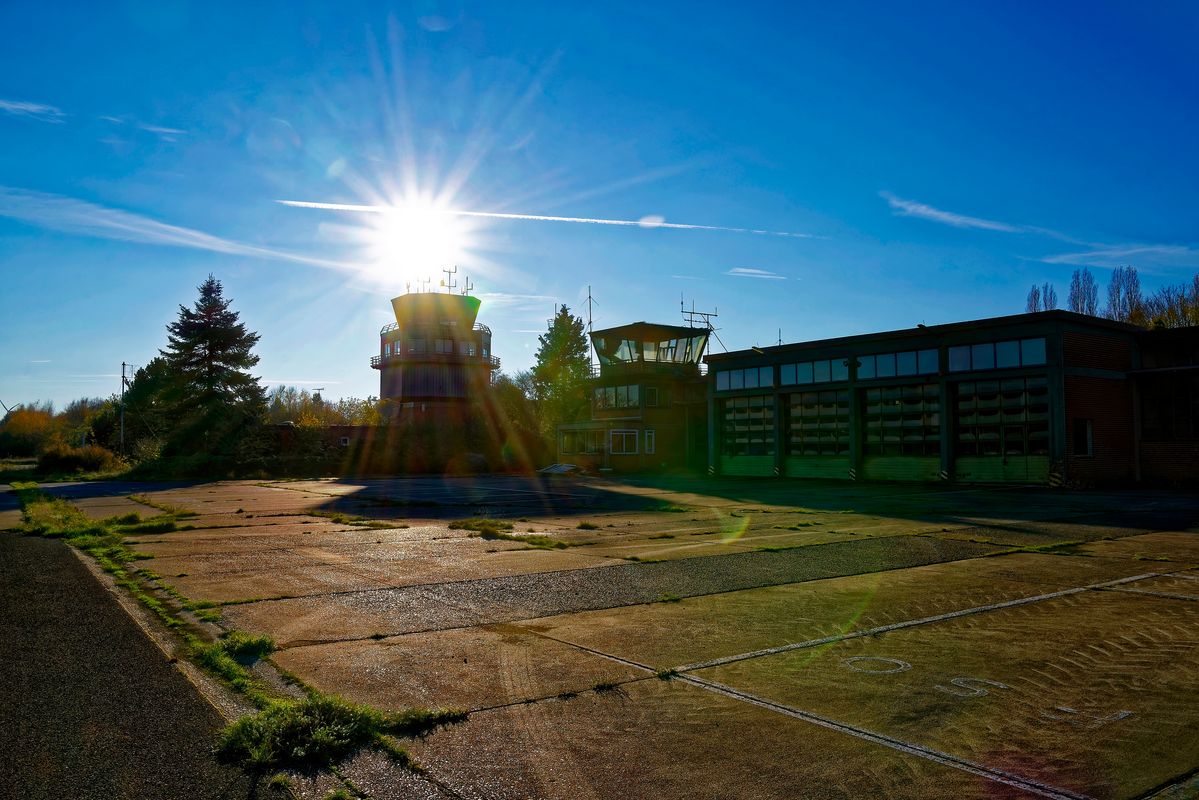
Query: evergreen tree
[[210, 392], [561, 372]]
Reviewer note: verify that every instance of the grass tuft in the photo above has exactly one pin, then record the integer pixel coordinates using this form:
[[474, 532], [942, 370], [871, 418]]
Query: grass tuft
[[480, 524], [587, 526], [320, 732]]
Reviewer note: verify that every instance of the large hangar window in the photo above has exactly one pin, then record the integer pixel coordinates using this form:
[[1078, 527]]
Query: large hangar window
[[747, 426], [819, 423], [902, 420]]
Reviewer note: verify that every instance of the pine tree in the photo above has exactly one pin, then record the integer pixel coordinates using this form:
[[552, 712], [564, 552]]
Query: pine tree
[[561, 372], [208, 356]]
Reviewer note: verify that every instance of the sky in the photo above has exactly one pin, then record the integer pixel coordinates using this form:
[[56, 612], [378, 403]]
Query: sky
[[805, 170]]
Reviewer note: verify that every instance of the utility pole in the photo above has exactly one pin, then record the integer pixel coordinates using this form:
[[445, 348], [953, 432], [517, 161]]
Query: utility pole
[[122, 409]]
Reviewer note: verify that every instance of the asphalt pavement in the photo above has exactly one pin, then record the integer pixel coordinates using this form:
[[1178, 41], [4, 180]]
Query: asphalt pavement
[[89, 706]]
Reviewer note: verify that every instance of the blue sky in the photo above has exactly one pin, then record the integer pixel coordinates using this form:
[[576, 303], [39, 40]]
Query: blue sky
[[933, 160]]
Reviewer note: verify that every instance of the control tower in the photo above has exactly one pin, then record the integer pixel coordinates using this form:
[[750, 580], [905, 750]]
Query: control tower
[[434, 355]]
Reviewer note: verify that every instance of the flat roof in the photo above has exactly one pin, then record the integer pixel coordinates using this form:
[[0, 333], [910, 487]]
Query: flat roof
[[641, 330], [920, 331]]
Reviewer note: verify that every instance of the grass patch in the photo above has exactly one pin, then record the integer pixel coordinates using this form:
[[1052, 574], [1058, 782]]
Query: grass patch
[[587, 526], [534, 542], [672, 509], [662, 536], [355, 520], [605, 686], [321, 731], [175, 511], [796, 527], [667, 674], [480, 524], [668, 598], [159, 525], [1147, 557]]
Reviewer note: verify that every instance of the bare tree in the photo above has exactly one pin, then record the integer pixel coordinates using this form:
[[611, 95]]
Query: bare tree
[[1048, 297], [1034, 299], [1084, 293], [1174, 306], [1124, 300]]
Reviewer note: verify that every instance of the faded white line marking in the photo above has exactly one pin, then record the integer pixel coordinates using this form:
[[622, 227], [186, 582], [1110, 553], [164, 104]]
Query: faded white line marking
[[840, 637], [1167, 595], [945, 759]]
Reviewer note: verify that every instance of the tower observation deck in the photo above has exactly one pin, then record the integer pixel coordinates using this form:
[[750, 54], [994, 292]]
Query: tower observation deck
[[435, 351]]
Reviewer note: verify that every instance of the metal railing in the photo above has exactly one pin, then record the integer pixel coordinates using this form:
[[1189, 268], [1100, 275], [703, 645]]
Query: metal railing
[[392, 326], [377, 362], [641, 367]]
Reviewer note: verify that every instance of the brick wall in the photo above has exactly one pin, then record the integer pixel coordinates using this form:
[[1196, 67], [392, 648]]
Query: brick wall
[[1108, 404], [1170, 463], [1096, 351]]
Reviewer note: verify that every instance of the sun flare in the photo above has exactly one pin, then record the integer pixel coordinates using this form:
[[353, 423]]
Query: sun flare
[[416, 239]]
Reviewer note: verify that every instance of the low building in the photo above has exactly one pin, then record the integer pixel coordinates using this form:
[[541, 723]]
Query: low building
[[1052, 397], [435, 357], [647, 401]]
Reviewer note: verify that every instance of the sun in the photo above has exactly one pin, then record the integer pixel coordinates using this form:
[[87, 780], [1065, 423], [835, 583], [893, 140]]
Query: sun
[[415, 239]]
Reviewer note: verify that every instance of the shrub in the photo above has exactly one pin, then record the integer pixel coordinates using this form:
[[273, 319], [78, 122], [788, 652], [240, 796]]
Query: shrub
[[89, 458]]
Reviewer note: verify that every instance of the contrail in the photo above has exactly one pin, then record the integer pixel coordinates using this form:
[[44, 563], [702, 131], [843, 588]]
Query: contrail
[[648, 222]]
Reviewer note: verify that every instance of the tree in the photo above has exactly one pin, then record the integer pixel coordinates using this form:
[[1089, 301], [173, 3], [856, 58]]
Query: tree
[[210, 392], [1124, 300], [1084, 293], [1174, 306], [1033, 304], [561, 372], [1048, 297]]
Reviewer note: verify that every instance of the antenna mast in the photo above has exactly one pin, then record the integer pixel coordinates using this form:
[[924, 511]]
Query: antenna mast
[[449, 283], [469, 287], [705, 317], [590, 302]]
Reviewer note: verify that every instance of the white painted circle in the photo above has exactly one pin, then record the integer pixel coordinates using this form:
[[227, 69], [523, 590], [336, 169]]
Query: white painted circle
[[893, 665]]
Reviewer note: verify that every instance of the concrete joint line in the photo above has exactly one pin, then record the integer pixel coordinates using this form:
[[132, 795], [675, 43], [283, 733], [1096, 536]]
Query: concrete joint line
[[945, 759], [965, 612], [1166, 595]]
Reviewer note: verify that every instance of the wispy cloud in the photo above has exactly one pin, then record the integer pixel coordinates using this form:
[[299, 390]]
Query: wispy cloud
[[38, 111], [687, 277], [1110, 257], [161, 131], [750, 272], [79, 217], [1102, 255], [518, 301], [652, 221], [911, 208], [40, 361]]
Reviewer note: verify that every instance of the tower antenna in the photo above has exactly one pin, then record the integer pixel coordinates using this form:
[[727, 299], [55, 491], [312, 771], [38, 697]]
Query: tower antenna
[[590, 302], [705, 318], [469, 287], [449, 283]]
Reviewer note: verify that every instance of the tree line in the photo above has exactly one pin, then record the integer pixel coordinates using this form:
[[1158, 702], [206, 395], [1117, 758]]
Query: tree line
[[1172, 306], [196, 409]]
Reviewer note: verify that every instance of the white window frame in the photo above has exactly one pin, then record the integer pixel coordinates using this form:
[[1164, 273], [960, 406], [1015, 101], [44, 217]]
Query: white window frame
[[625, 435], [651, 440]]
